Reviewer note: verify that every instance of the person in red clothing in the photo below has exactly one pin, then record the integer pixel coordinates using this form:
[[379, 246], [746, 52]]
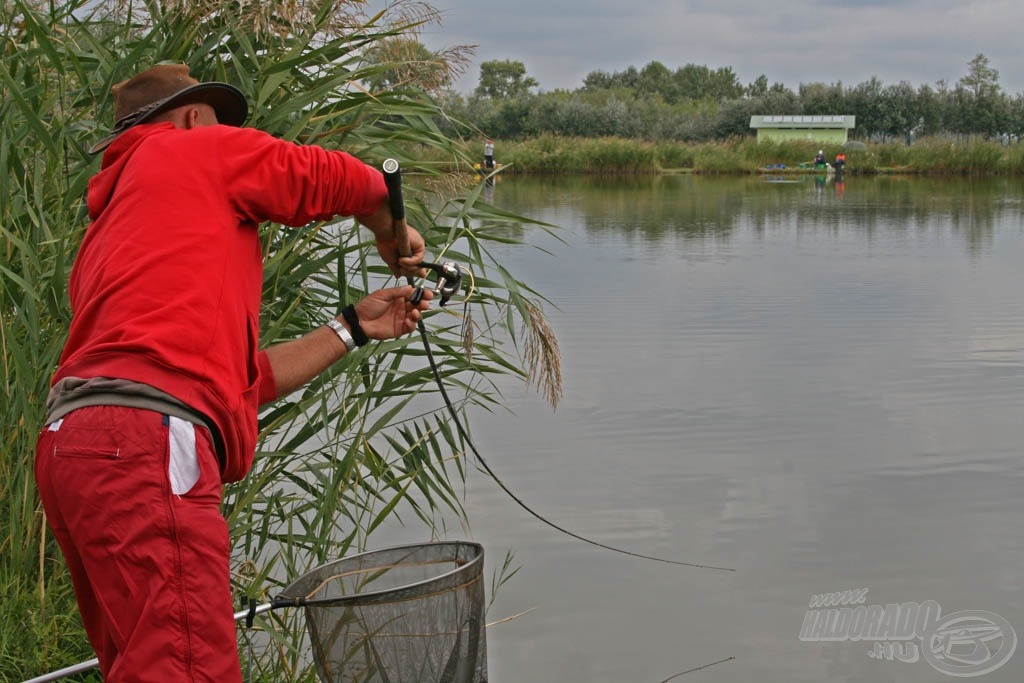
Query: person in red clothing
[[154, 402]]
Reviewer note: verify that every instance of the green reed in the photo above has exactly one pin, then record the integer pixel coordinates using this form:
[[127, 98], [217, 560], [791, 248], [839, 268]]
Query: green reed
[[355, 448]]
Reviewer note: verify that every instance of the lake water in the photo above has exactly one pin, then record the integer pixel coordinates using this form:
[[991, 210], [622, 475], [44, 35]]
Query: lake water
[[818, 384]]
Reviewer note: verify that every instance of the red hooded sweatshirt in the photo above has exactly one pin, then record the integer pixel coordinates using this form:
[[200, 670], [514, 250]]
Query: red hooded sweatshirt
[[166, 287]]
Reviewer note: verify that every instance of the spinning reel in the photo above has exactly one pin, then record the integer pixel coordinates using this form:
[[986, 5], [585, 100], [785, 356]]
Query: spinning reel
[[449, 274], [449, 281]]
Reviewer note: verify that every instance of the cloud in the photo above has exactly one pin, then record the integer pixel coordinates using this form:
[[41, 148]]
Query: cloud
[[789, 41]]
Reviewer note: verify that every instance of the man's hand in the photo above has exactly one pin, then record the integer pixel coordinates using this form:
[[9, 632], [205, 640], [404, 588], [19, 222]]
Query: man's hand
[[385, 314], [388, 313], [381, 224], [402, 264]]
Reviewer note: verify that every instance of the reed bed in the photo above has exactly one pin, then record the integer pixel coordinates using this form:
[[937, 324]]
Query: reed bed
[[356, 448], [621, 156]]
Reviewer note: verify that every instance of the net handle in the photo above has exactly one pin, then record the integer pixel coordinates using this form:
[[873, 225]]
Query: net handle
[[280, 601], [93, 663]]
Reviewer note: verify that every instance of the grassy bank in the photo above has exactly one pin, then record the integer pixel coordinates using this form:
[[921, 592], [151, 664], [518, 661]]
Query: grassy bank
[[550, 154]]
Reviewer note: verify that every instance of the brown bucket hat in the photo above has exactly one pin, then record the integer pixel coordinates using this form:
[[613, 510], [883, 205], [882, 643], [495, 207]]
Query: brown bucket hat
[[166, 86]]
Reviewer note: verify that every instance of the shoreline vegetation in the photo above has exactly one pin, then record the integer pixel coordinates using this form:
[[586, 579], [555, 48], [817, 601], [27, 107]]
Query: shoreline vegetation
[[352, 451], [549, 154]]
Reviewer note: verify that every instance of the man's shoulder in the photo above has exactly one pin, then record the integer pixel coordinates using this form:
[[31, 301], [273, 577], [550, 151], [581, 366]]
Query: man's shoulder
[[165, 134], [224, 134]]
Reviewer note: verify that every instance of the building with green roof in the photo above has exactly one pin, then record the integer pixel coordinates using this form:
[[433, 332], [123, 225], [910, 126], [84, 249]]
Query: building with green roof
[[820, 128]]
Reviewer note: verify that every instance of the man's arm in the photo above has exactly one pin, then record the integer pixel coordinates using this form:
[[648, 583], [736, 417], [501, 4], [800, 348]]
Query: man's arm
[[297, 361], [270, 179], [385, 314]]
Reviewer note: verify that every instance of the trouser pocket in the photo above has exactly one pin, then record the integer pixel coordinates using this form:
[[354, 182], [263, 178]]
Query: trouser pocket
[[183, 461]]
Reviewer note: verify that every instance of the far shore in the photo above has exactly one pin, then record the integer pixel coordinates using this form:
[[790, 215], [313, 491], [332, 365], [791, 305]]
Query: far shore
[[620, 156]]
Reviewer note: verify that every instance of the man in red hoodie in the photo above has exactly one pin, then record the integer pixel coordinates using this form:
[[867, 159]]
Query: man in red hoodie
[[154, 403]]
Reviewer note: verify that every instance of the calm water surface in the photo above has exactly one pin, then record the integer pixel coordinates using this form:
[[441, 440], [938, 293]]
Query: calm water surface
[[819, 385]]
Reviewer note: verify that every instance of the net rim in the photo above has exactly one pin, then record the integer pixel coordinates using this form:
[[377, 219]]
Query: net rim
[[386, 594]]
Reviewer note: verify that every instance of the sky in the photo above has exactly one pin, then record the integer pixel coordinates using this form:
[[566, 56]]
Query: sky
[[789, 41]]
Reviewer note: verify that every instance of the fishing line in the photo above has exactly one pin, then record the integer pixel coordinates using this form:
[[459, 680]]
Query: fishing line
[[487, 468], [393, 180], [698, 668]]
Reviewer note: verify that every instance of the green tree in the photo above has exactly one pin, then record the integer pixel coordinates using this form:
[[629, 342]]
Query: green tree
[[656, 80], [1015, 116], [865, 102], [734, 118], [757, 88], [598, 80], [698, 82], [723, 84], [602, 80], [985, 107], [691, 81], [960, 111], [504, 79], [779, 100], [981, 78], [822, 98], [695, 102], [929, 110], [898, 110]]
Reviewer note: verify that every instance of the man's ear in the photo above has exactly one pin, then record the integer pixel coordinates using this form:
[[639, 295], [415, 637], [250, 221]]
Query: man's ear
[[192, 118]]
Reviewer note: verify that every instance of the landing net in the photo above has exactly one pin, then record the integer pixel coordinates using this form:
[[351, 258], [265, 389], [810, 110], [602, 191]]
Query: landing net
[[409, 613]]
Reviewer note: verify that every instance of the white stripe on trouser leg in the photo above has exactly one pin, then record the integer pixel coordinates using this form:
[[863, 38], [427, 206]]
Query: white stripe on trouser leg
[[183, 469]]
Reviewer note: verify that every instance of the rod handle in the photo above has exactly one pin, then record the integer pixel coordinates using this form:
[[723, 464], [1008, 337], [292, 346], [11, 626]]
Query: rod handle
[[393, 181]]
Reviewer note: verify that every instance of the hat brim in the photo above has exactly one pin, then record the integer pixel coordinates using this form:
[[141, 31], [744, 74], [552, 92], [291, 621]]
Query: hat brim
[[227, 101]]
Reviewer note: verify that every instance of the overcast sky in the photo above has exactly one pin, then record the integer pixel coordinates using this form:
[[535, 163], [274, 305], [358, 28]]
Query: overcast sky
[[789, 41]]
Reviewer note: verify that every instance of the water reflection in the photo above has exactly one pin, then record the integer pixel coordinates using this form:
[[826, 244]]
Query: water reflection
[[820, 386], [701, 207]]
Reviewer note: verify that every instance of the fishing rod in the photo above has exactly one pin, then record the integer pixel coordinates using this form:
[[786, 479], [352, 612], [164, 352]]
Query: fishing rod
[[449, 273], [393, 180]]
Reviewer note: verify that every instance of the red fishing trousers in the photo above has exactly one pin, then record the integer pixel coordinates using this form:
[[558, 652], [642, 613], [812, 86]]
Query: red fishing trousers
[[150, 568]]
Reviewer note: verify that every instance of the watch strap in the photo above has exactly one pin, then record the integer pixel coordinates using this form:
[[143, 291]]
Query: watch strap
[[343, 334], [350, 316]]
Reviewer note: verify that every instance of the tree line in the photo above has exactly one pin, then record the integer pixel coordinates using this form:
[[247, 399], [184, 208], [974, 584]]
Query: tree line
[[697, 103]]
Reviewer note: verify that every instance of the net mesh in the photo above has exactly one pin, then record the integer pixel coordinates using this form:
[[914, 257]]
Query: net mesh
[[410, 613]]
